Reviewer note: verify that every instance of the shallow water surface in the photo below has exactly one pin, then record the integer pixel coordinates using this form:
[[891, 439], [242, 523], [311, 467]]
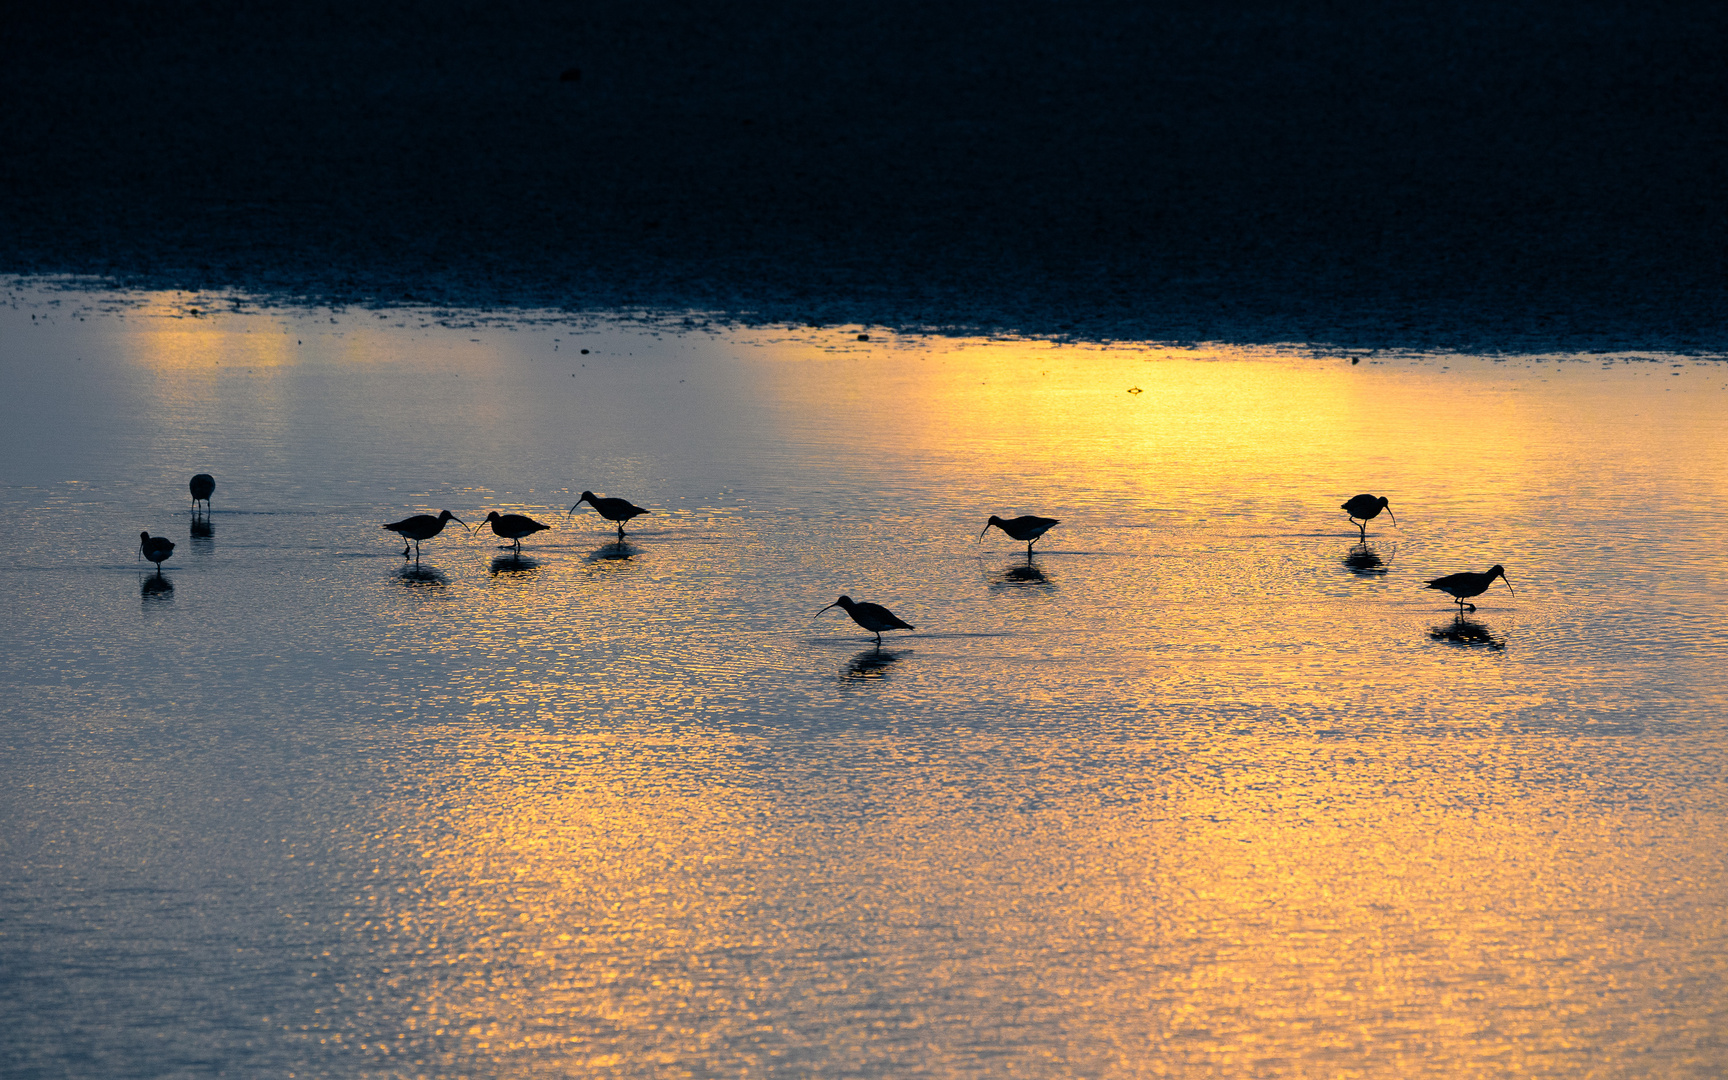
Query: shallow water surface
[[1207, 786]]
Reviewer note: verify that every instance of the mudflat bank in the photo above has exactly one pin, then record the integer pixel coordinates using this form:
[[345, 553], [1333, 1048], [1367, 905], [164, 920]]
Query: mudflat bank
[[1476, 175]]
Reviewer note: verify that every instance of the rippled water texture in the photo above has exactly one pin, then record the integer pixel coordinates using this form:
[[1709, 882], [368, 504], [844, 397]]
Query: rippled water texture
[[1204, 788]]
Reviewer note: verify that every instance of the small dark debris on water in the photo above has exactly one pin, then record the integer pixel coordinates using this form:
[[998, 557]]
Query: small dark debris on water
[[1135, 390], [863, 337], [1354, 360], [570, 75], [584, 352]]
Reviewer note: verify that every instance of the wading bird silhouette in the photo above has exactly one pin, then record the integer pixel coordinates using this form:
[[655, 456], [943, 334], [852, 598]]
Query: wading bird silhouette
[[1367, 507], [155, 548], [513, 527], [872, 617], [1027, 527], [202, 487], [421, 527], [1469, 583], [619, 510]]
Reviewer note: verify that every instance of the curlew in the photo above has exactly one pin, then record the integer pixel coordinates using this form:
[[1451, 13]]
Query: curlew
[[619, 510], [1027, 527], [1367, 507], [155, 548], [872, 617], [1469, 583], [202, 487], [421, 527], [513, 527]]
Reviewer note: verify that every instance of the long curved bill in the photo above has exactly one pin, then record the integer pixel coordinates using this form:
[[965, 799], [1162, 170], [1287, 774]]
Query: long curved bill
[[1508, 584], [1391, 515], [981, 535], [824, 609]]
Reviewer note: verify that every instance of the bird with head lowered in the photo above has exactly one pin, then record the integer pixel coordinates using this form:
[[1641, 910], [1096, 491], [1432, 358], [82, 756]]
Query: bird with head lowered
[[202, 487], [1367, 507], [1027, 527], [1462, 586], [155, 548]]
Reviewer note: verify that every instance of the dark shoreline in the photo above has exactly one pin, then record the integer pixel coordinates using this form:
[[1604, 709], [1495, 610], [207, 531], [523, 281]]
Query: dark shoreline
[[1511, 177]]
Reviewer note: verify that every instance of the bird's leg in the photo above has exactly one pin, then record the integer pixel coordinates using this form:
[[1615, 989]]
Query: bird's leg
[[404, 549]]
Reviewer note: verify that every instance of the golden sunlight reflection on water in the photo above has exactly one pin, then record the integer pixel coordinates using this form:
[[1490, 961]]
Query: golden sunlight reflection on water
[[1401, 908], [1206, 787]]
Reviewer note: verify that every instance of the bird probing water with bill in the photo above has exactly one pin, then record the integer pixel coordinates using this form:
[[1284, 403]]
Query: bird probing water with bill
[[202, 486], [1367, 507], [1027, 527], [155, 548], [1464, 585]]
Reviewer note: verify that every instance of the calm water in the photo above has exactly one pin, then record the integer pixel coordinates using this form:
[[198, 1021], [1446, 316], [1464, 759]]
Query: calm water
[[1206, 788]]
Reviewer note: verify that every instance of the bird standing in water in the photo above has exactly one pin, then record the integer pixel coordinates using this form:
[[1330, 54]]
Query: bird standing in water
[[421, 527], [202, 486], [872, 617], [1367, 507], [1469, 583], [619, 510], [155, 548], [1027, 527], [513, 527]]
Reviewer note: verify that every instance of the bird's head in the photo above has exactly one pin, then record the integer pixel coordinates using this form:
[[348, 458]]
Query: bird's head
[[587, 497], [493, 516], [1388, 509], [448, 516], [994, 520], [1500, 572], [844, 602], [144, 538]]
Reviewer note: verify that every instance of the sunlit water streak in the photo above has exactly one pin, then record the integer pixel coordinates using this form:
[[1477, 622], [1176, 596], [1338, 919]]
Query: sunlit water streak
[[1206, 788]]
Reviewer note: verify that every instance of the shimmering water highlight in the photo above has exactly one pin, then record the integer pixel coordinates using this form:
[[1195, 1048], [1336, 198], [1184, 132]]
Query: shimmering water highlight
[[1207, 787]]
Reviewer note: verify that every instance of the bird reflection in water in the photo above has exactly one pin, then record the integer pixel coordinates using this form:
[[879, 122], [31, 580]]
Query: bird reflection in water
[[872, 663], [201, 530], [1018, 574], [1364, 560], [156, 588], [513, 564], [613, 554], [1467, 633], [414, 575]]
